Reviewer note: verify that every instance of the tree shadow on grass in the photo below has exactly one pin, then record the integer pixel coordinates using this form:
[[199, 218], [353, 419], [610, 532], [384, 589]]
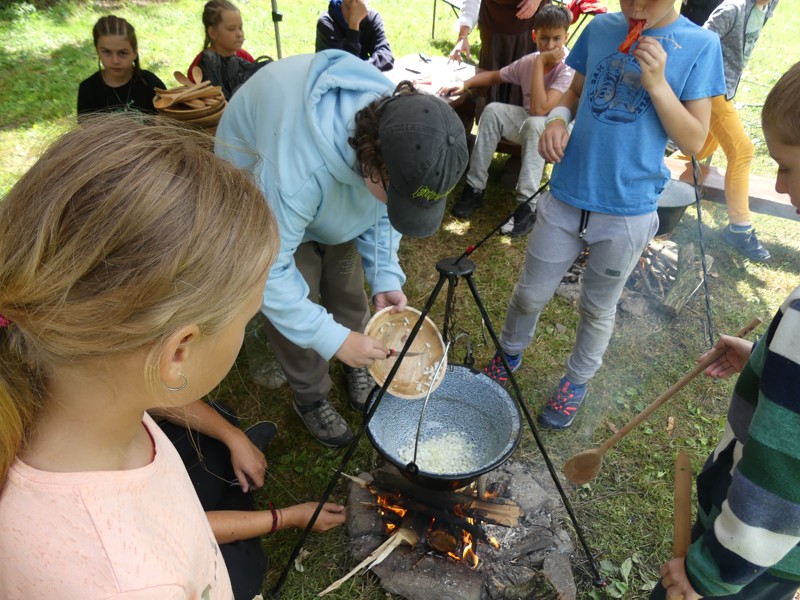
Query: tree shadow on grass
[[42, 87]]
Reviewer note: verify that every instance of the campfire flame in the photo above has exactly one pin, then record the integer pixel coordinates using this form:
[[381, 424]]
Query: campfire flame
[[385, 505], [468, 556], [391, 513]]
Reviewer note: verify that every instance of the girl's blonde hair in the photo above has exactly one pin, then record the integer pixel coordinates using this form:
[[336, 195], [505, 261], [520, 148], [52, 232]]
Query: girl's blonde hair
[[781, 112], [123, 232], [212, 16]]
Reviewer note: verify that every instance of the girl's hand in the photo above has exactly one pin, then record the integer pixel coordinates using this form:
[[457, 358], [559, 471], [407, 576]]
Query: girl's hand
[[527, 8], [675, 581], [553, 141], [395, 298], [248, 461], [332, 515], [737, 352], [461, 48], [359, 350], [652, 59]]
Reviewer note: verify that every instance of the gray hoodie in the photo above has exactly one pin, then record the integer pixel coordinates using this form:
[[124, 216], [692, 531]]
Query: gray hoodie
[[729, 21]]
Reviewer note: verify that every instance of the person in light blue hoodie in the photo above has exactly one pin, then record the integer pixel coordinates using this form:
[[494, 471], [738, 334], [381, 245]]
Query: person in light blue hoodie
[[348, 163]]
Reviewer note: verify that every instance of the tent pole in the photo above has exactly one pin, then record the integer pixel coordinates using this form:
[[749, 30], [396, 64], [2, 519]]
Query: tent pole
[[277, 17]]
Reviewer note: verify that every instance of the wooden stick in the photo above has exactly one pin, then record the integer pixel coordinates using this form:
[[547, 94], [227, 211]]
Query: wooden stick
[[682, 518], [403, 535], [683, 506]]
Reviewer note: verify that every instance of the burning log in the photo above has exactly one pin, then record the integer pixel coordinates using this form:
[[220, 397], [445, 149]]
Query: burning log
[[494, 511], [442, 541]]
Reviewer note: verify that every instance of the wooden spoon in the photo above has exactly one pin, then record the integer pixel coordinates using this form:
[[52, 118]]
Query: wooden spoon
[[585, 466], [183, 79], [196, 91], [682, 517], [197, 74]]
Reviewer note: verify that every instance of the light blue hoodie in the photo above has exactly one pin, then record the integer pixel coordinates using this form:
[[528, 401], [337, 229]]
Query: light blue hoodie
[[289, 125]]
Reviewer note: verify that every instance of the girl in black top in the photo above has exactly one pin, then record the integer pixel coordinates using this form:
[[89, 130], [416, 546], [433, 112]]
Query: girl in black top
[[119, 84]]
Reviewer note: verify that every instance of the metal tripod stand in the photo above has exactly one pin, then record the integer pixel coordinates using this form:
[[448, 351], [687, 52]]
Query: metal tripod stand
[[451, 270]]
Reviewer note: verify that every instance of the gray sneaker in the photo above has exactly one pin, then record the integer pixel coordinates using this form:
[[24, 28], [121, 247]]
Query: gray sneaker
[[359, 384], [261, 360], [325, 423]]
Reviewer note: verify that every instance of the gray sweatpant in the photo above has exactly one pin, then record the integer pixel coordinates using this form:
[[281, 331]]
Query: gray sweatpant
[[500, 120], [616, 243]]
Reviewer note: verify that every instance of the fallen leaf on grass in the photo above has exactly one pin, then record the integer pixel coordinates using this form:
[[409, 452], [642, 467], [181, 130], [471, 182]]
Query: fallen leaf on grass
[[670, 425], [612, 427], [298, 562]]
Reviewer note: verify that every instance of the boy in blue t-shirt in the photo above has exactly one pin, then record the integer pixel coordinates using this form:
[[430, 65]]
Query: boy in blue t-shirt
[[608, 174]]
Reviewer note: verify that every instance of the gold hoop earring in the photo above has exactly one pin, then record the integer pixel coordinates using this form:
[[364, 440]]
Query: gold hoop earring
[[180, 387]]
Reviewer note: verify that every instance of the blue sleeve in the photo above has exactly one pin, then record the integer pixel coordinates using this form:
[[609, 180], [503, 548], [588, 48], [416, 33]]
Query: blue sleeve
[[378, 249], [707, 76], [286, 302], [578, 54]]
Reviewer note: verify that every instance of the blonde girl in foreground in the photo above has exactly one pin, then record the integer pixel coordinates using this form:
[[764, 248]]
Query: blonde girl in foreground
[[130, 261]]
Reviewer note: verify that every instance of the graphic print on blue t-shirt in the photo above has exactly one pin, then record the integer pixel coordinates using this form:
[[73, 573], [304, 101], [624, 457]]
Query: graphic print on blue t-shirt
[[618, 93]]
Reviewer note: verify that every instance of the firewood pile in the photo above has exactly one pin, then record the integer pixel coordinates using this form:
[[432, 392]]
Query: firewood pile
[[664, 279], [656, 270]]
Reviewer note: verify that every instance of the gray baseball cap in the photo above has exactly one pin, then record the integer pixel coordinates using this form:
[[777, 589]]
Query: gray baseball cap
[[424, 148]]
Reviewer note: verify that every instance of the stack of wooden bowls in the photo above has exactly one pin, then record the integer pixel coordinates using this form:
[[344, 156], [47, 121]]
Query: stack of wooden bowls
[[198, 104]]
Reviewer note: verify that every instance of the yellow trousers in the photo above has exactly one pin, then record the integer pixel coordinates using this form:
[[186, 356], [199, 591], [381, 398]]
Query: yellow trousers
[[726, 131]]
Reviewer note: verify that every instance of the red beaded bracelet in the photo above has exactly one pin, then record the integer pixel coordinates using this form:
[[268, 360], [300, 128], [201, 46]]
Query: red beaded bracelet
[[274, 518]]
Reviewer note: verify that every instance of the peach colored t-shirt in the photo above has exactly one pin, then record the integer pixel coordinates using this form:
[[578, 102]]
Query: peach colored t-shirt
[[136, 534]]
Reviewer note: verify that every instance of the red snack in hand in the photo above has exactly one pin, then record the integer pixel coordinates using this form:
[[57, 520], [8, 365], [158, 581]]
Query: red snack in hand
[[635, 29]]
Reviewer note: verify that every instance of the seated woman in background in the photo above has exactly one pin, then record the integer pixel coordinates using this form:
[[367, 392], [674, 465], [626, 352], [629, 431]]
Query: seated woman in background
[[120, 84], [224, 29]]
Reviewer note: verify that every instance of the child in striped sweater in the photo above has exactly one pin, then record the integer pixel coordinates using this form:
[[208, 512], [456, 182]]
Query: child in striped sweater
[[745, 540]]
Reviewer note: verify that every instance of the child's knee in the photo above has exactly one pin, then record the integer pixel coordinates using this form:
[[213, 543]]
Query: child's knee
[[490, 115], [532, 127], [526, 302]]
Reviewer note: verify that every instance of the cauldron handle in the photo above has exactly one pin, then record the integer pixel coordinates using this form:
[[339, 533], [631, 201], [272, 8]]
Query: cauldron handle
[[422, 412]]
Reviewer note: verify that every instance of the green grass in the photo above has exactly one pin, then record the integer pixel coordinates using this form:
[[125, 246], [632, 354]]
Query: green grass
[[627, 510]]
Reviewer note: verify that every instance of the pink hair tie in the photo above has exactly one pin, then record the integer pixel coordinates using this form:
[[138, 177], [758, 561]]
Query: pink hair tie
[[4, 322]]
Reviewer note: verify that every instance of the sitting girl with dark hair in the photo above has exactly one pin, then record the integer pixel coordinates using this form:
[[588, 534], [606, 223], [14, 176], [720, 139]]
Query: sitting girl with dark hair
[[120, 83]]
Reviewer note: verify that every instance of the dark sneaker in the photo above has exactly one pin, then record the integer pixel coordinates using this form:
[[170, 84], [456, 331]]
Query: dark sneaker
[[521, 222], [261, 360], [561, 409], [470, 201], [497, 371], [261, 433], [746, 243], [325, 424], [359, 385]]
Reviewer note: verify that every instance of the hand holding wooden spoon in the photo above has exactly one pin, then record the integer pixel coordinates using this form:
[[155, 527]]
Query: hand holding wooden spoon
[[584, 466]]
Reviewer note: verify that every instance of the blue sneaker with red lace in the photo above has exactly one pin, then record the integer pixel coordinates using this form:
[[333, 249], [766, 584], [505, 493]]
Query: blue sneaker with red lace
[[497, 371], [561, 409]]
